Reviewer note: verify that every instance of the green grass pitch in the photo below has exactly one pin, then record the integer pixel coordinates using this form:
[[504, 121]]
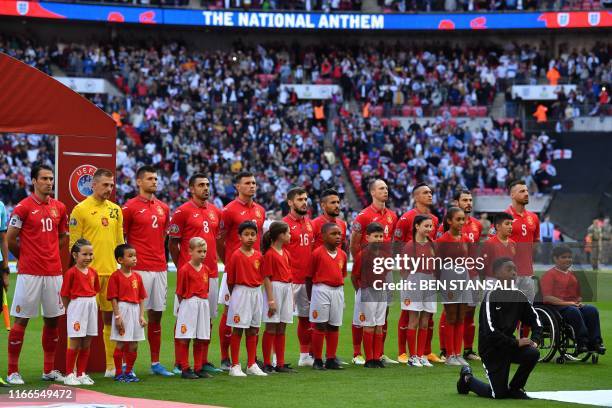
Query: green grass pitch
[[396, 386]]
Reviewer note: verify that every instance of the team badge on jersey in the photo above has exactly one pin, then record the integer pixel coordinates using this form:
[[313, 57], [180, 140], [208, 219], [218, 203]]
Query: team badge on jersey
[[227, 297], [77, 326], [160, 211], [256, 264], [309, 227], [92, 282], [104, 221], [212, 216], [362, 317], [53, 212], [134, 284], [258, 213], [183, 329], [80, 182], [236, 319], [315, 314], [529, 220], [340, 264], [389, 219], [406, 302], [18, 309]]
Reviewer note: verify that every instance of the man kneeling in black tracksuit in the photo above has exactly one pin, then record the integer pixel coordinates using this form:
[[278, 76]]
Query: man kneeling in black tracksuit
[[500, 313]]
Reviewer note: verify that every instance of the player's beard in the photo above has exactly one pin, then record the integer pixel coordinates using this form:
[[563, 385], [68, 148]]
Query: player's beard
[[333, 214], [300, 211]]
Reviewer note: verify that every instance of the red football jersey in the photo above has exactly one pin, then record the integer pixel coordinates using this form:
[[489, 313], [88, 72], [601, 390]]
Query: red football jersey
[[525, 231], [191, 220], [562, 285], [234, 214], [403, 230], [424, 251], [145, 223], [245, 270], [318, 223], [190, 282], [447, 246], [300, 246], [78, 284], [41, 225], [371, 214], [326, 269], [276, 266], [125, 289], [493, 249]]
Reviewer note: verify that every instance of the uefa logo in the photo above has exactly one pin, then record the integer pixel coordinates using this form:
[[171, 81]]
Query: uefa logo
[[80, 182]]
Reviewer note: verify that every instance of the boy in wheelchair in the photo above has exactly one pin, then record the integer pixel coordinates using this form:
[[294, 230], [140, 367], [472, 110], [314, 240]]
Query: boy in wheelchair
[[560, 288]]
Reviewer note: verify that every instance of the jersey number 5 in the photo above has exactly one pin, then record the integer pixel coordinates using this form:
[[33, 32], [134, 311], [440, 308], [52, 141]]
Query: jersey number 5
[[524, 230]]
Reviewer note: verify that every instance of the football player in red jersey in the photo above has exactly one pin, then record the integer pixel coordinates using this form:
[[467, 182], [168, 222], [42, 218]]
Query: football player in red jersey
[[330, 206], [145, 223], [500, 245], [197, 218], [375, 212], [242, 208], [300, 251], [423, 200], [37, 229], [525, 232]]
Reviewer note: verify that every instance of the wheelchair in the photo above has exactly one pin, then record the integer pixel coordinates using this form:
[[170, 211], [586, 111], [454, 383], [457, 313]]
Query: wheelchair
[[558, 337]]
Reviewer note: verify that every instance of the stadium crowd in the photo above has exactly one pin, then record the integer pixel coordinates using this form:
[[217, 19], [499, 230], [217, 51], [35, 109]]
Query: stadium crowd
[[174, 95]]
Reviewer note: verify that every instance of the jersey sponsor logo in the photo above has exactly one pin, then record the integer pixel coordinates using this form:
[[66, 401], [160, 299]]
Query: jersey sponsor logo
[[80, 182], [34, 212], [236, 319], [16, 221], [196, 215], [183, 329], [143, 210], [243, 212], [76, 326], [104, 221]]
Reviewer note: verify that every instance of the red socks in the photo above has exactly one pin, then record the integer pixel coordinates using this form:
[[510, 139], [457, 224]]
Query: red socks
[[357, 339], [118, 359], [304, 334], [441, 328], [368, 344], [130, 359], [378, 345], [235, 348], [458, 337], [422, 342], [154, 337], [449, 333], [81, 362], [468, 330], [251, 346], [402, 326], [412, 341], [266, 347], [71, 356], [50, 337], [15, 342], [384, 338], [279, 348], [430, 330], [331, 338], [181, 348], [205, 344], [317, 343], [198, 354], [225, 337]]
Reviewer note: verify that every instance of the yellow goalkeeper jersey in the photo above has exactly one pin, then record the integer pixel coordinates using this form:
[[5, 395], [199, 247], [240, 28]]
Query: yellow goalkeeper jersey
[[101, 223]]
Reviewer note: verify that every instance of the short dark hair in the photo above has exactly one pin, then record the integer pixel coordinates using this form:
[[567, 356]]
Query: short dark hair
[[242, 175], [329, 192], [247, 225], [503, 216], [120, 250], [560, 250], [102, 172], [327, 226], [499, 262], [145, 169], [419, 185], [458, 193], [374, 227], [196, 176], [515, 183], [36, 170], [372, 182], [294, 192]]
